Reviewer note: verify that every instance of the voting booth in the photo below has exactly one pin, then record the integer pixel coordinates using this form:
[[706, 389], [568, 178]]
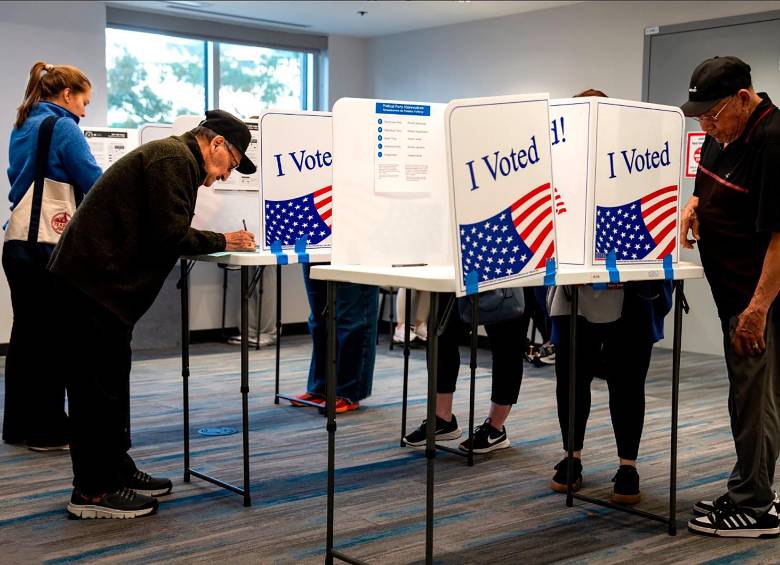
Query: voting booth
[[390, 197], [616, 166], [500, 177], [296, 178]]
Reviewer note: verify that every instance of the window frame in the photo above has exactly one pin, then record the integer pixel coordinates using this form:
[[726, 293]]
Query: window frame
[[212, 33]]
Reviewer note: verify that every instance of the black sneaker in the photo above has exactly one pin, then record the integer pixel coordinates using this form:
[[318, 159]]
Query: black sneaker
[[728, 520], [122, 504], [148, 485], [558, 482], [626, 489], [486, 439], [444, 431], [706, 506]]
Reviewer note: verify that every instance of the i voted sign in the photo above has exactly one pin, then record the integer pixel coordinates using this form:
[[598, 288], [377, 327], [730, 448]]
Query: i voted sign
[[637, 182], [500, 174], [296, 157]]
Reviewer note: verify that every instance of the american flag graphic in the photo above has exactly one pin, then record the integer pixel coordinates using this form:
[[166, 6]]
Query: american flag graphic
[[642, 229], [306, 216], [518, 238]]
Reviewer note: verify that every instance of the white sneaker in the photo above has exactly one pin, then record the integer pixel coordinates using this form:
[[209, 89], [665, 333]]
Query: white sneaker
[[421, 330], [267, 339], [236, 340], [398, 335]]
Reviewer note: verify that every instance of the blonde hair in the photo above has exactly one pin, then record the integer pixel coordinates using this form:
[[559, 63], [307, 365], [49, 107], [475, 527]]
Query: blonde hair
[[46, 83]]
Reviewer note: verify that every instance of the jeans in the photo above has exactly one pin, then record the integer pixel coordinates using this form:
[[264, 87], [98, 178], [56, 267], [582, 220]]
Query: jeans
[[357, 309]]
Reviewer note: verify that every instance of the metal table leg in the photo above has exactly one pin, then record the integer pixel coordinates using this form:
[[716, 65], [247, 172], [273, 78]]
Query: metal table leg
[[407, 332], [575, 298], [330, 403], [245, 377], [184, 284]]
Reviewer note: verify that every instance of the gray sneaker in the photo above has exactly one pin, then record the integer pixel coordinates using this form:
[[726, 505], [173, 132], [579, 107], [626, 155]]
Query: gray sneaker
[[122, 504]]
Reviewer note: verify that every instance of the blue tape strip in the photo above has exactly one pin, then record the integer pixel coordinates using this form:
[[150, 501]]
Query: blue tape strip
[[549, 274], [668, 268], [472, 283], [276, 249], [600, 286], [300, 249], [614, 276]]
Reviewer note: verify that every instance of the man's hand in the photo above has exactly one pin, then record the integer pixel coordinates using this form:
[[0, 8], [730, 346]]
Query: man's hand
[[748, 337], [239, 241], [689, 221]]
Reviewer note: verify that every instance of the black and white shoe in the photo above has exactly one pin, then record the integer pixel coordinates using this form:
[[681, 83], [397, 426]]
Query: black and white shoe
[[145, 484], [122, 504], [486, 438], [444, 431], [728, 520], [706, 506]]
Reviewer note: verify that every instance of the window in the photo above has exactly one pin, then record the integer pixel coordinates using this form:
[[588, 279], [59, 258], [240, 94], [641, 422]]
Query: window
[[152, 78]]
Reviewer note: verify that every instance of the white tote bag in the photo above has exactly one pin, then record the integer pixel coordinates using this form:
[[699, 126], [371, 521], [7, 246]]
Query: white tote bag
[[47, 206]]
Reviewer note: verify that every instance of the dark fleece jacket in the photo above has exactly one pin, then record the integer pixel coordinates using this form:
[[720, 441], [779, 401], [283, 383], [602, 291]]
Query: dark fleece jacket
[[133, 225]]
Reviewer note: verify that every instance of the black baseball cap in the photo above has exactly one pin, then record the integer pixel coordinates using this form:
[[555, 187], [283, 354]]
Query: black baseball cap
[[235, 131], [713, 80]]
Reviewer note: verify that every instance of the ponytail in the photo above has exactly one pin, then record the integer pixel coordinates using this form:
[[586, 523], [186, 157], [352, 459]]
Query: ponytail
[[46, 83]]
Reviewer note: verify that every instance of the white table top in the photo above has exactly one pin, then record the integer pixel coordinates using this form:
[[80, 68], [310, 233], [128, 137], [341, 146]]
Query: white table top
[[442, 278], [259, 258]]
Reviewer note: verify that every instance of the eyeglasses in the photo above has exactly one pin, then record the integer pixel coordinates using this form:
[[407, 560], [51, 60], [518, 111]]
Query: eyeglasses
[[232, 157], [714, 118]]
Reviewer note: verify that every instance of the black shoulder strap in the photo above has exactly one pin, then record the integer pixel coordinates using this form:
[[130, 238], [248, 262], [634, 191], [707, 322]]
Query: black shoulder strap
[[41, 160]]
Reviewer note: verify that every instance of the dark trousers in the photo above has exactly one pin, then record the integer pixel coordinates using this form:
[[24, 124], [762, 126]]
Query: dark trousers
[[357, 309], [34, 388], [506, 347], [97, 370], [754, 407], [610, 351]]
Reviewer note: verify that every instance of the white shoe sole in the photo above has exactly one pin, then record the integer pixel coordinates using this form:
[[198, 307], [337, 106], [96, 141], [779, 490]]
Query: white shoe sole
[[449, 436], [500, 445], [88, 511], [741, 533]]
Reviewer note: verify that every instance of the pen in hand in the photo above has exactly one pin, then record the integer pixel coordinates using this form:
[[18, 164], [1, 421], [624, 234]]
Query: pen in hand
[[244, 222]]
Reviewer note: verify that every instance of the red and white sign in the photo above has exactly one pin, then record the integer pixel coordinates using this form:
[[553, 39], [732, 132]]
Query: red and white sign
[[693, 153]]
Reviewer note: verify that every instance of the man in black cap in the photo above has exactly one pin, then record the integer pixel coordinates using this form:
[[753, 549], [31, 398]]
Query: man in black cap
[[109, 265], [734, 216]]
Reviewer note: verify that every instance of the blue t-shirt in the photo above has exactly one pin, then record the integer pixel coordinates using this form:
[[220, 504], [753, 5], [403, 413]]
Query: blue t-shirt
[[70, 160]]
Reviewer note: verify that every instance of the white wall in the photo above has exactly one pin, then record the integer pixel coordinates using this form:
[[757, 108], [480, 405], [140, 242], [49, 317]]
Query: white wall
[[561, 51], [348, 71], [55, 32]]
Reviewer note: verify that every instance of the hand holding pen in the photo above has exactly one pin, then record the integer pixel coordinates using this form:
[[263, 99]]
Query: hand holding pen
[[243, 240]]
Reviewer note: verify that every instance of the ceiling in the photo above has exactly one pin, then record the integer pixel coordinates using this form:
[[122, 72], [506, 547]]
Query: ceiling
[[342, 18]]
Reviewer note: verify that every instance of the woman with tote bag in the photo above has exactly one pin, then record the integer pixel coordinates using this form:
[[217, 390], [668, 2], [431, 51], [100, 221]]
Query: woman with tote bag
[[50, 169]]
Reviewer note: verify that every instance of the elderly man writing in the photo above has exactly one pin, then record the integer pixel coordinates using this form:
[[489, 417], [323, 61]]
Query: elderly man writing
[[109, 266]]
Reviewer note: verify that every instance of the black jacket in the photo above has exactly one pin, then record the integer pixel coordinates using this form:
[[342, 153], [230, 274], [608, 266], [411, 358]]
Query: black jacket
[[133, 225]]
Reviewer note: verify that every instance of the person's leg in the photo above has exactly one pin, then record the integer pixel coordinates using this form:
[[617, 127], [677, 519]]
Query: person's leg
[[422, 310], [507, 368], [753, 406], [588, 342], [369, 295], [35, 390], [627, 362], [316, 292], [448, 362]]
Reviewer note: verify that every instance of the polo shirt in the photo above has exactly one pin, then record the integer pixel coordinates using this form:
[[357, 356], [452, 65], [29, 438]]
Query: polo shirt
[[739, 207]]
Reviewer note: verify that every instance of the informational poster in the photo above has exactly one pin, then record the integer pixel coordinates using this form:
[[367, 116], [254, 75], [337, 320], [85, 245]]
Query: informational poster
[[570, 141], [693, 152], [240, 181], [296, 158], [637, 182], [499, 156], [108, 145], [401, 134]]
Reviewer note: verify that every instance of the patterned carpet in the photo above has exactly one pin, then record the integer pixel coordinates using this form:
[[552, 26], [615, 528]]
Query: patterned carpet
[[499, 511]]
